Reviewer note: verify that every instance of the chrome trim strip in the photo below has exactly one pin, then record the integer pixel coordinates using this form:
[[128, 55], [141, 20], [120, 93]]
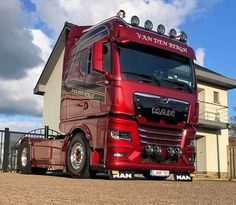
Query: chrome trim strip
[[159, 133], [161, 139], [145, 142], [158, 97]]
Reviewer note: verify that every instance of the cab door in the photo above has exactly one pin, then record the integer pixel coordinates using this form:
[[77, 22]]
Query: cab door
[[73, 87], [96, 86]]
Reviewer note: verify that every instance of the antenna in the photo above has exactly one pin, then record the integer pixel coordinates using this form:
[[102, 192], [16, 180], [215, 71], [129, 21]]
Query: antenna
[[167, 24]]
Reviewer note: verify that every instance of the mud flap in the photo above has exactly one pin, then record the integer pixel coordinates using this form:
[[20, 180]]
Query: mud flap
[[121, 175], [183, 177]]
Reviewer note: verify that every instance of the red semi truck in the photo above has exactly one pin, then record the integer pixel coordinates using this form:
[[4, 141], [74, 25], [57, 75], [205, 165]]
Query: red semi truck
[[128, 105]]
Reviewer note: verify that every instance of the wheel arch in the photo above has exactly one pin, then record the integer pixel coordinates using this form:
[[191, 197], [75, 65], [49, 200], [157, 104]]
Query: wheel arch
[[82, 128]]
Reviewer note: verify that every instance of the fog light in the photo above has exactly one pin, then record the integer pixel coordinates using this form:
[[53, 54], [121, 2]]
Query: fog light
[[160, 29], [172, 33], [178, 151], [134, 21], [171, 151], [148, 25], [149, 149], [157, 150]]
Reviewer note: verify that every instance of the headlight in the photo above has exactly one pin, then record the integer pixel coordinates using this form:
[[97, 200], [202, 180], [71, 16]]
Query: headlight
[[115, 134], [148, 25], [172, 33], [134, 21], [160, 29], [183, 37]]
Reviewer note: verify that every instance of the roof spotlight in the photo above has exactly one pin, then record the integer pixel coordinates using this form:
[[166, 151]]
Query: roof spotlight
[[121, 13], [183, 37], [172, 33], [134, 21], [161, 29], [148, 25]]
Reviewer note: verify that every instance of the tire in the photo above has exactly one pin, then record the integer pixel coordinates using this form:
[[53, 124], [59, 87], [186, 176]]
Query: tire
[[147, 175], [23, 158], [77, 158]]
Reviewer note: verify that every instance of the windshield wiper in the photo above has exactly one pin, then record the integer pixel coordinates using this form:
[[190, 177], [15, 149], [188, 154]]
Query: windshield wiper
[[178, 83], [143, 76]]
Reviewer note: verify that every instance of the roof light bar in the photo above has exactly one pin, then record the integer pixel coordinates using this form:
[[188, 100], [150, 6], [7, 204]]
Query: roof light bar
[[121, 13], [135, 21], [172, 33], [161, 29], [183, 37], [148, 25]]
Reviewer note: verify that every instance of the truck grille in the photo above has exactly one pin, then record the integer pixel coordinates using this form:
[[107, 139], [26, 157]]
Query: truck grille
[[160, 136], [156, 108]]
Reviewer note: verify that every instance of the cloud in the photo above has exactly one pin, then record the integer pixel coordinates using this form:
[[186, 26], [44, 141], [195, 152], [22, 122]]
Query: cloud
[[17, 95], [200, 56], [55, 12], [17, 52], [19, 123]]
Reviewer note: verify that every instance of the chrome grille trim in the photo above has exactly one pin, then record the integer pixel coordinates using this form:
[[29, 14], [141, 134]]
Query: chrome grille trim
[[160, 136], [159, 133], [161, 139], [158, 97]]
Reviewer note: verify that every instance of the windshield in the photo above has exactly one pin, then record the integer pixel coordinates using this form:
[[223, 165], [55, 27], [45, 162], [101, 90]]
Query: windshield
[[151, 65]]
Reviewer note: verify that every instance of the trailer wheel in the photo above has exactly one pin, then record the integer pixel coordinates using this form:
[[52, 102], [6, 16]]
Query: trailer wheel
[[23, 158], [78, 157], [147, 175]]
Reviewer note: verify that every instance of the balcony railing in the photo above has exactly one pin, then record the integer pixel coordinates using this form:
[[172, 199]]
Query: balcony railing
[[213, 112]]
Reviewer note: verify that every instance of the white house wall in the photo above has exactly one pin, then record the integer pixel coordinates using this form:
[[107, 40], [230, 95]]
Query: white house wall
[[52, 96]]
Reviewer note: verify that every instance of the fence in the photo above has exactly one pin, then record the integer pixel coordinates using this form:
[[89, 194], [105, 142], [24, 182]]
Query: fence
[[9, 143], [232, 162], [213, 112]]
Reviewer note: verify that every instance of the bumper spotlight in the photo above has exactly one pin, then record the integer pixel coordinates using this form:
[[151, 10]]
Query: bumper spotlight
[[171, 151]]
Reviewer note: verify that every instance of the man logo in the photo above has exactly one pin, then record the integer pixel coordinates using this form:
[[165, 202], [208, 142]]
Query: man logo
[[121, 174], [183, 177], [164, 100], [163, 112]]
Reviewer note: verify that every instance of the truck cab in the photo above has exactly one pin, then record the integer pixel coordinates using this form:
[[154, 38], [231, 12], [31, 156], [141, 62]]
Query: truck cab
[[128, 101]]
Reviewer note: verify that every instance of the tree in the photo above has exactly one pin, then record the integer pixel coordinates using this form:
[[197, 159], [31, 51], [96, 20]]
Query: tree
[[232, 126]]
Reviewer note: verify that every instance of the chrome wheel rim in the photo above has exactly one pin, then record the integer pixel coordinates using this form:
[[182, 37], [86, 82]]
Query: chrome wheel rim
[[77, 155], [24, 157]]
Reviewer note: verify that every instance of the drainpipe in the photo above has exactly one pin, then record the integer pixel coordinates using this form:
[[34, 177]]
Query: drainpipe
[[218, 132]]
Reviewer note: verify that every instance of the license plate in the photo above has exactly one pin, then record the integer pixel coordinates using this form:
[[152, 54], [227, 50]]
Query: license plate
[[160, 173]]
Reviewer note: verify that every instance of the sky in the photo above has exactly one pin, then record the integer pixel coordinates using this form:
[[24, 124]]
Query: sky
[[30, 28]]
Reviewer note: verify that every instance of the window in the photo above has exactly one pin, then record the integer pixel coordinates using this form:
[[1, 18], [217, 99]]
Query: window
[[107, 57], [216, 98], [151, 65], [78, 65]]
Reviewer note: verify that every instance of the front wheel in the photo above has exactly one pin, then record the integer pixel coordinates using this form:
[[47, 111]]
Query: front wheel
[[77, 159]]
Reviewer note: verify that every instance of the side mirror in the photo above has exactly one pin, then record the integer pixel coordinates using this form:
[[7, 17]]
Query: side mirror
[[97, 56]]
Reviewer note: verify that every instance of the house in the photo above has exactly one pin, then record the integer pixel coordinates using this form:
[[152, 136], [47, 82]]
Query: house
[[212, 135]]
